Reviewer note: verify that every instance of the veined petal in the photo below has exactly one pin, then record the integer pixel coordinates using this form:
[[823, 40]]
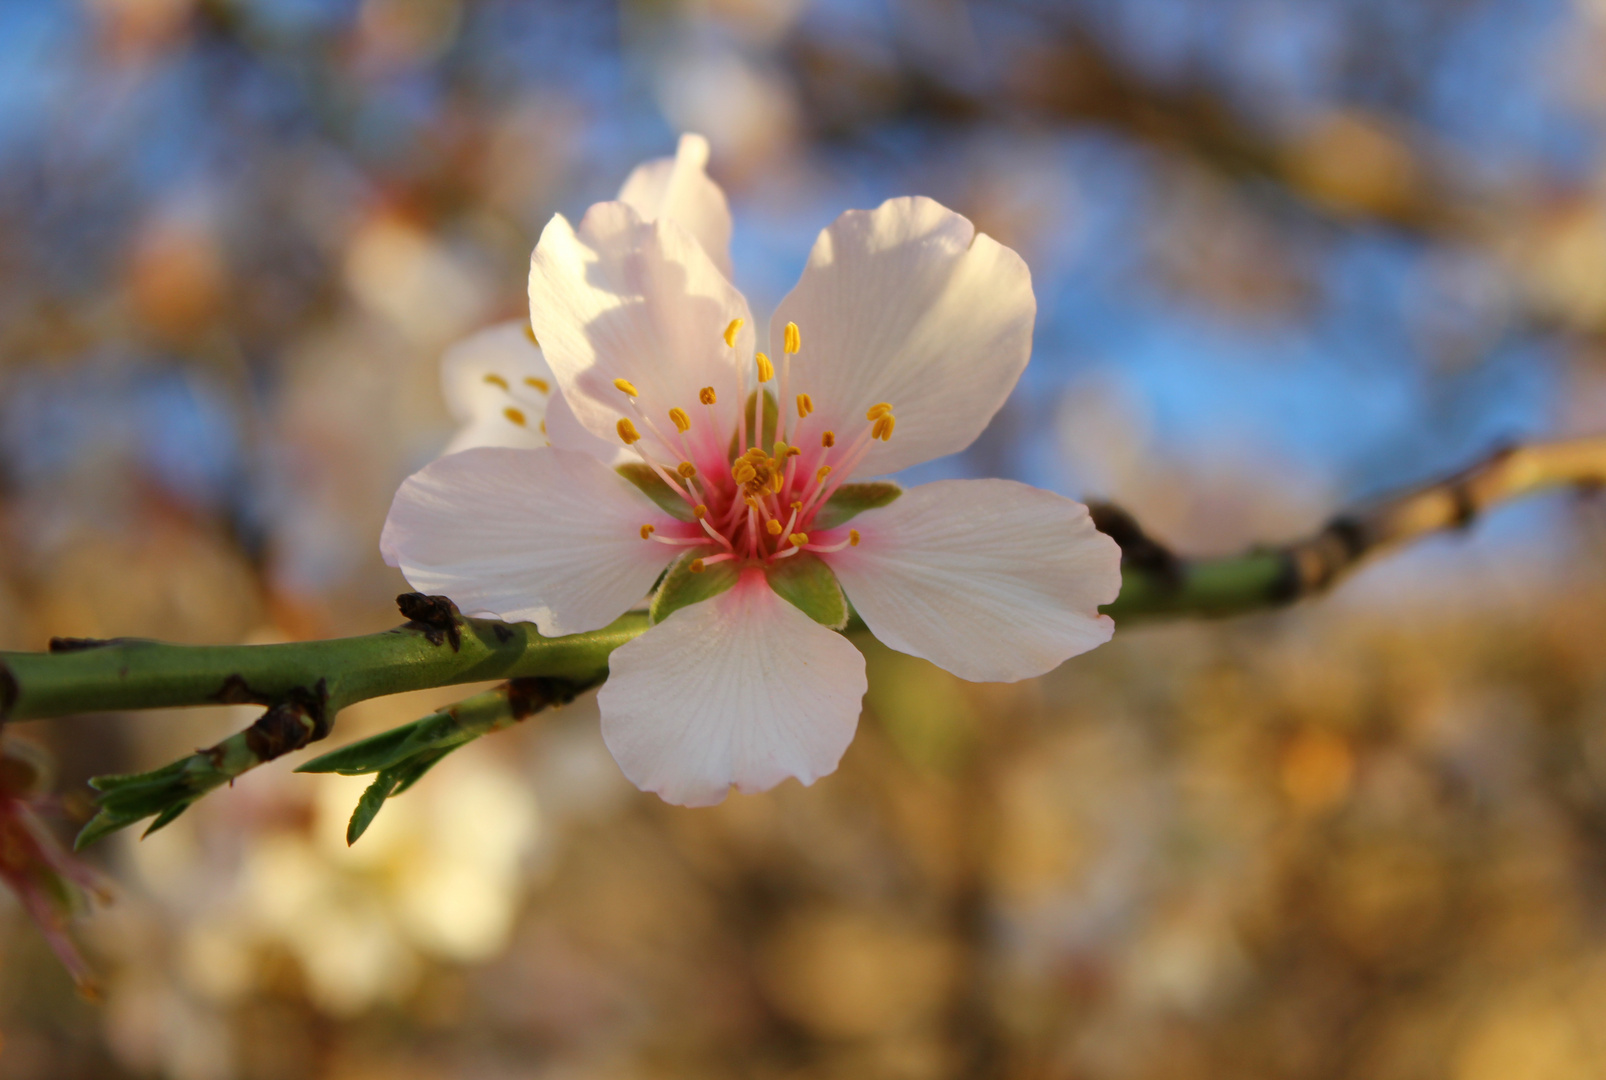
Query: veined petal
[[993, 580], [742, 690], [626, 299], [908, 304], [496, 385], [565, 432], [547, 536], [680, 188]]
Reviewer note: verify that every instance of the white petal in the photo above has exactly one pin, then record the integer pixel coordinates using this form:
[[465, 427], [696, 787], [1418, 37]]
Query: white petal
[[680, 188], [566, 433], [547, 536], [626, 299], [742, 690], [993, 580], [496, 385], [908, 304]]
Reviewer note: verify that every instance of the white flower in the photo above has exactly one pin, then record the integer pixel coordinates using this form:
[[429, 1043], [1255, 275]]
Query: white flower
[[903, 338], [497, 384]]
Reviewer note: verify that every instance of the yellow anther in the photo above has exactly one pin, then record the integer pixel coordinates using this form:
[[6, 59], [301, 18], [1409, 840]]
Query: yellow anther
[[828, 439], [792, 451], [743, 472], [853, 538], [496, 380], [730, 332], [797, 505], [539, 384], [543, 427], [777, 481], [626, 387], [773, 527], [821, 473], [878, 411], [706, 395], [647, 531], [799, 539], [697, 566], [883, 427], [755, 455], [679, 418], [529, 332], [805, 405], [699, 511], [627, 431], [766, 370], [686, 469], [794, 340], [515, 416]]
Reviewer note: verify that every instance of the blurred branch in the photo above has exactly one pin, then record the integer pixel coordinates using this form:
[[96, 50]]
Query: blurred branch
[[1157, 583]]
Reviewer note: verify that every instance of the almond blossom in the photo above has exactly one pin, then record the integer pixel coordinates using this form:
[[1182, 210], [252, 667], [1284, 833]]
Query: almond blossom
[[745, 484]]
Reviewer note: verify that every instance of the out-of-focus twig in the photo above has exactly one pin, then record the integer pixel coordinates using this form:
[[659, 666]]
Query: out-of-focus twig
[[1157, 583]]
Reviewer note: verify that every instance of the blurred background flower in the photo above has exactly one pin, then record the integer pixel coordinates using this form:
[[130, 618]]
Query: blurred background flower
[[1286, 255]]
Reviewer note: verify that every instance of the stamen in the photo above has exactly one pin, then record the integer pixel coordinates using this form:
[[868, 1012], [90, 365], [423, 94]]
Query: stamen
[[883, 427], [681, 421], [697, 566], [743, 472], [826, 549], [828, 439], [794, 340], [730, 332], [496, 380], [878, 411], [515, 416], [776, 481], [706, 395], [699, 511], [805, 405], [792, 451], [766, 370], [773, 528], [799, 539], [539, 384], [628, 432], [647, 531], [529, 332], [821, 473], [853, 538], [686, 469], [626, 387]]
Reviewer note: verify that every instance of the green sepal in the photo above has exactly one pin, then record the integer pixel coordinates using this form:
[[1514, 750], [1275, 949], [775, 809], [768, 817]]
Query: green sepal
[[809, 585], [655, 488], [850, 500], [772, 424], [681, 587]]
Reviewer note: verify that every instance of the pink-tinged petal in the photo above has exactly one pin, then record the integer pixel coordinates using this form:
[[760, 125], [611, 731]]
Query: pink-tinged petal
[[680, 188], [742, 690], [993, 580], [622, 298], [908, 304], [547, 536], [497, 386]]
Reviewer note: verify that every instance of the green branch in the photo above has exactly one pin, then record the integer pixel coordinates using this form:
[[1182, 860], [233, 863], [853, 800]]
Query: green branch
[[304, 685]]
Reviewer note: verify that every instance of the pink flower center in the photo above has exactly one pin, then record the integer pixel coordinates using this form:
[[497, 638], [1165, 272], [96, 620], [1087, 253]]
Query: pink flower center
[[756, 503]]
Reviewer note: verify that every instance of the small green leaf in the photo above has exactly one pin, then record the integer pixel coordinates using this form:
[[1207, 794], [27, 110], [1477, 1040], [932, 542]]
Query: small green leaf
[[388, 784], [765, 439], [367, 755], [809, 585], [655, 488], [682, 587], [851, 500]]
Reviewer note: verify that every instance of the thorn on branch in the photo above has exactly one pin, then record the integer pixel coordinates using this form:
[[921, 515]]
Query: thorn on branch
[[436, 616]]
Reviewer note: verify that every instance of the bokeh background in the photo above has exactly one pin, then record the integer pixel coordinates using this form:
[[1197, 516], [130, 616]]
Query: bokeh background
[[1287, 253]]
